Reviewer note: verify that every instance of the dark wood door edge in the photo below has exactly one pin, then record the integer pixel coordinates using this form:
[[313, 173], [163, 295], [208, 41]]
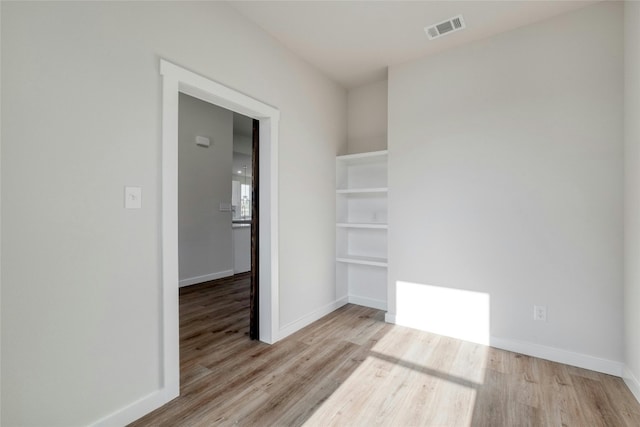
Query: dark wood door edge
[[254, 330]]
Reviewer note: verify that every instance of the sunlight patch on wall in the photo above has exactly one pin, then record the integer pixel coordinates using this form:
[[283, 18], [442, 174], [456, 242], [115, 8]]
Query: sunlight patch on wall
[[452, 312]]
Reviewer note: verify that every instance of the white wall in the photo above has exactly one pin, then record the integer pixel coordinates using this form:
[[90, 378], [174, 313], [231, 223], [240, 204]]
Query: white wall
[[367, 118], [505, 170], [632, 194], [0, 206], [81, 276], [241, 249], [206, 244]]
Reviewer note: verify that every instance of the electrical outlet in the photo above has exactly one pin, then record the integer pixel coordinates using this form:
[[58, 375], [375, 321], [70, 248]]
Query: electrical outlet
[[540, 312]]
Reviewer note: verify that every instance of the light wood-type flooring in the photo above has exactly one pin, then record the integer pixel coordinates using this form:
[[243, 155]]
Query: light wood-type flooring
[[353, 369]]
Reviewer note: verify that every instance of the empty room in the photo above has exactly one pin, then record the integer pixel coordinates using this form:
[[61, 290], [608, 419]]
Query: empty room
[[436, 204]]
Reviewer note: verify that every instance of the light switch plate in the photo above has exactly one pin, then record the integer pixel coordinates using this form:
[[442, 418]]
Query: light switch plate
[[133, 197]]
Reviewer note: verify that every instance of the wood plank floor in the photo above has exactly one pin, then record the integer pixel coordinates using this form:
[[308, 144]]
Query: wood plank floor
[[353, 369]]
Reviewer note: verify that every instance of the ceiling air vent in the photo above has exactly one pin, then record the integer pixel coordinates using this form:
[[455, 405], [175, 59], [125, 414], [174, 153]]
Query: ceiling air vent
[[445, 27]]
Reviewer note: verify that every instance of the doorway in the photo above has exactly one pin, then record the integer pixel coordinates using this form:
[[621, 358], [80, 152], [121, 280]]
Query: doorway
[[178, 80], [217, 210]]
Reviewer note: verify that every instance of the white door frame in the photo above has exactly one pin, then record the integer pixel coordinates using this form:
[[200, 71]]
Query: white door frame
[[177, 80]]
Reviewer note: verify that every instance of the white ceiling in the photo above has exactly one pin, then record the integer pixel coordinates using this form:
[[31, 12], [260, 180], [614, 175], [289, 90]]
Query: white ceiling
[[354, 42]]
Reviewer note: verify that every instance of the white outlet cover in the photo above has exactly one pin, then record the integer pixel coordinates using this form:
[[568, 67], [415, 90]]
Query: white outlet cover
[[132, 197], [540, 312]]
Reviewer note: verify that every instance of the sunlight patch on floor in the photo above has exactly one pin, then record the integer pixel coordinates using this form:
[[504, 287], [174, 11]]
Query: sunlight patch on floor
[[409, 377]]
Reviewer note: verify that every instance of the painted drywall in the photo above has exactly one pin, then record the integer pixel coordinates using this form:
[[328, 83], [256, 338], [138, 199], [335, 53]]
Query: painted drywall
[[242, 133], [505, 183], [367, 118], [632, 194], [0, 206], [241, 249], [204, 232], [81, 276]]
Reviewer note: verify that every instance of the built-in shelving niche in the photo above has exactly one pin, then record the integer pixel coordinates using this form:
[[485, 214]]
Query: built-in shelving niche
[[361, 228]]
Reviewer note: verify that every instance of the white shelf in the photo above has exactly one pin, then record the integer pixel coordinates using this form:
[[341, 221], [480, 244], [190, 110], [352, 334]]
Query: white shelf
[[362, 225], [354, 159], [363, 260], [378, 190]]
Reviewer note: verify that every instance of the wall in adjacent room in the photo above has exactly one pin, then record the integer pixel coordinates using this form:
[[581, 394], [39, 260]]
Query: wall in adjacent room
[[204, 231], [505, 189], [81, 276]]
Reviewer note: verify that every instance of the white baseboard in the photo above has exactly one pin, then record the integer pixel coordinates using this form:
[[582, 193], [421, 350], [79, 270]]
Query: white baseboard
[[632, 382], [580, 360], [137, 409], [295, 326], [205, 278], [368, 302]]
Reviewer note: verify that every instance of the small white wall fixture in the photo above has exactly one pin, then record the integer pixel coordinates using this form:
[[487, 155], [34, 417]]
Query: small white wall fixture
[[177, 80]]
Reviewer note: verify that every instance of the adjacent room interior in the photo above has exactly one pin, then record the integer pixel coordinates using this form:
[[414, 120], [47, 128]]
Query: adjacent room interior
[[451, 200]]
